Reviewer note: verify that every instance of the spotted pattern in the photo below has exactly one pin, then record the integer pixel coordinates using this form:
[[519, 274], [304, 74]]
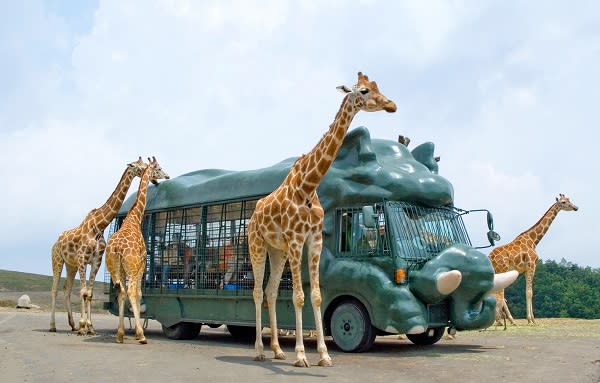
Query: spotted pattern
[[291, 217], [520, 255]]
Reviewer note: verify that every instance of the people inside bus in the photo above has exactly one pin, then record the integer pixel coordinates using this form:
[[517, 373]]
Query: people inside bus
[[227, 263], [176, 254]]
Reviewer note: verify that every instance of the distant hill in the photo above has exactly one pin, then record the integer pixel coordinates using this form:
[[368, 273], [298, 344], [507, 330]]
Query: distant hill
[[13, 284], [18, 281]]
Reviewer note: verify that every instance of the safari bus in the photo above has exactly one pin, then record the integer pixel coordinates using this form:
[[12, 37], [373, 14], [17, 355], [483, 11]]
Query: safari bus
[[396, 256]]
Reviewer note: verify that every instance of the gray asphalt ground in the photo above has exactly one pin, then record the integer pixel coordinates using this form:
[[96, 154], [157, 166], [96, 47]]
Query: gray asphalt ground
[[29, 353]]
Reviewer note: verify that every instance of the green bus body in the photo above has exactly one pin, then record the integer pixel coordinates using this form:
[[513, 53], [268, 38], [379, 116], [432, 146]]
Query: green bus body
[[390, 229]]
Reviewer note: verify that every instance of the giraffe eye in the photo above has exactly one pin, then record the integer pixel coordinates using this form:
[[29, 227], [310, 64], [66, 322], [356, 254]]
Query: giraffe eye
[[364, 90]]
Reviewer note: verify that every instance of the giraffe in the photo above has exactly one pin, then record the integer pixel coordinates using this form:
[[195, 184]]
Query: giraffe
[[520, 255], [292, 215], [83, 245], [126, 254]]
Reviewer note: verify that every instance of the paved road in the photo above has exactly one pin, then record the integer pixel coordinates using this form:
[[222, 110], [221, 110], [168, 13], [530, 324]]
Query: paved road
[[29, 353]]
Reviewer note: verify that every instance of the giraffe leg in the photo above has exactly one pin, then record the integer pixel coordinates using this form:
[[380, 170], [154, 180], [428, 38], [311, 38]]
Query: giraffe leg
[[315, 245], [529, 294], [277, 264], [507, 314], [96, 262], [82, 295], [499, 307], [57, 265], [68, 287], [258, 257], [295, 256], [134, 293], [121, 302]]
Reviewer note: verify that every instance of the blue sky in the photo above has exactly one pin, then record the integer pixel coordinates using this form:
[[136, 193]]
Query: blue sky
[[507, 90]]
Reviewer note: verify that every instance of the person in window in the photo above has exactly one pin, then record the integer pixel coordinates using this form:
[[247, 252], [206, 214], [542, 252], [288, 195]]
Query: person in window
[[175, 254], [227, 263]]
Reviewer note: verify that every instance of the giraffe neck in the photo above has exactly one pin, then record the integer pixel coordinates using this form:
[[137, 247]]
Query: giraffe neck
[[537, 231], [102, 217], [137, 210], [313, 165]]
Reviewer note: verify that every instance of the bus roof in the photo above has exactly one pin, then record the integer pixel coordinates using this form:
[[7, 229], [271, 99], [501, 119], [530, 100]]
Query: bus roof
[[365, 171]]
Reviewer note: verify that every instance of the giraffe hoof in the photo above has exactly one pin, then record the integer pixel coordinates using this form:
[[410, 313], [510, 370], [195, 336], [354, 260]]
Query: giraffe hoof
[[326, 362], [53, 329], [260, 358], [143, 341], [301, 363], [280, 355]]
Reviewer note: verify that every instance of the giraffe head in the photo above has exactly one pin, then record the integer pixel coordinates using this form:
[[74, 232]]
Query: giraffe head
[[565, 204], [137, 167], [156, 172], [365, 96]]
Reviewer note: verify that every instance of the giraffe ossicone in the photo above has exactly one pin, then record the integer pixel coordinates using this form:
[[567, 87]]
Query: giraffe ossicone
[[291, 217], [84, 245], [520, 255]]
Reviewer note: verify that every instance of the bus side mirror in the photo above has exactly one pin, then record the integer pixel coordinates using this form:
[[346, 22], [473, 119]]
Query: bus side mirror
[[493, 237], [369, 217], [490, 221]]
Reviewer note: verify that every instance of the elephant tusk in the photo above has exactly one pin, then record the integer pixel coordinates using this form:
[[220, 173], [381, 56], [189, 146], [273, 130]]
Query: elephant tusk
[[448, 281], [503, 280]]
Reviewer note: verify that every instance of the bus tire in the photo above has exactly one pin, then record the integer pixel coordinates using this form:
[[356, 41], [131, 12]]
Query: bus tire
[[244, 333], [429, 337], [182, 330], [351, 327]]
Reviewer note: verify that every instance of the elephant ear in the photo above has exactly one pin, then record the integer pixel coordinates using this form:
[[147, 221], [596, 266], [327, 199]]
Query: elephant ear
[[424, 154]]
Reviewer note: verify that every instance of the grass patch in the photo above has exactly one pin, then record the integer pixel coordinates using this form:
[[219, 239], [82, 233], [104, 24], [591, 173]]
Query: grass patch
[[13, 284], [18, 281], [7, 303]]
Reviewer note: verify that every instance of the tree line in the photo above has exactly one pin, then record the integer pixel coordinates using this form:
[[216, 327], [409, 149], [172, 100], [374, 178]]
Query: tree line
[[560, 290]]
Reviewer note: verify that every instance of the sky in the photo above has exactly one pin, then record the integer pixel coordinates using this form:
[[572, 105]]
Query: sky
[[507, 90]]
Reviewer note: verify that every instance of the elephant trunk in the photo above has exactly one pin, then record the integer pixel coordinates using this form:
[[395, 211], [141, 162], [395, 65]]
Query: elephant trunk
[[466, 316], [480, 314]]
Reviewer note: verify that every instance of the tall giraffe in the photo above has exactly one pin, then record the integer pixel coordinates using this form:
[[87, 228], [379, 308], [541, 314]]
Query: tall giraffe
[[292, 215], [520, 255], [83, 245], [126, 254]]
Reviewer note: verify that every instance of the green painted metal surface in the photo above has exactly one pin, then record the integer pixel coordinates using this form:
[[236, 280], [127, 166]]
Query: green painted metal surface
[[365, 172]]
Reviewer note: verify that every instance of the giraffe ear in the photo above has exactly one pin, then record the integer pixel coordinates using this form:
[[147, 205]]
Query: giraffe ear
[[343, 89]]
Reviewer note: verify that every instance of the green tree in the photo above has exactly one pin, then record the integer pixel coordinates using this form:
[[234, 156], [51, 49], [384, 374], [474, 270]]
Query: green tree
[[560, 290]]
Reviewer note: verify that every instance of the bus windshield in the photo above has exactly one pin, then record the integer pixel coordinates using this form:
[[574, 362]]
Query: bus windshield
[[419, 233]]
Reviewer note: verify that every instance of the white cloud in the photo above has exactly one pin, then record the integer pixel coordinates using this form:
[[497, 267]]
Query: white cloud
[[242, 85]]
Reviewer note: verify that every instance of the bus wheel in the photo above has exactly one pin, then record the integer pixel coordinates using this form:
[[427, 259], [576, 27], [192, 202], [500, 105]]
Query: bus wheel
[[182, 330], [245, 333], [351, 327], [214, 325], [429, 337]]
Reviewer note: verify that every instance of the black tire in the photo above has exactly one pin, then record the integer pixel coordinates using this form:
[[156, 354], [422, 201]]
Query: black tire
[[351, 327], [182, 330], [244, 333], [429, 337], [214, 325]]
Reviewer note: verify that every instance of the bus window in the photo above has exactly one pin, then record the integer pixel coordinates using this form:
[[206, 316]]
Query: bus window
[[354, 237]]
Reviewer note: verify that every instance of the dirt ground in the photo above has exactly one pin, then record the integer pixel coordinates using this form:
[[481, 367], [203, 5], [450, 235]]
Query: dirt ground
[[565, 350]]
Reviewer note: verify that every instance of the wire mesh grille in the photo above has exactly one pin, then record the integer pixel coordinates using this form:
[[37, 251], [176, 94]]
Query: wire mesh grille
[[420, 233], [202, 247]]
